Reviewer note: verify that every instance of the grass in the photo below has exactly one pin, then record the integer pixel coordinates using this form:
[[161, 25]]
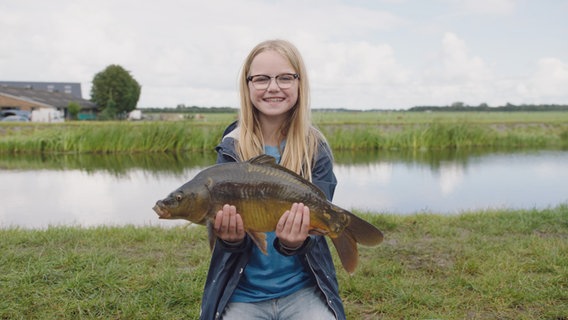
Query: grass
[[110, 137], [413, 118], [345, 131], [476, 265]]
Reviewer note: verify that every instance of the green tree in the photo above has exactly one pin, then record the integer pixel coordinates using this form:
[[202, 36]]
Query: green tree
[[115, 91], [73, 108], [458, 104], [109, 111]]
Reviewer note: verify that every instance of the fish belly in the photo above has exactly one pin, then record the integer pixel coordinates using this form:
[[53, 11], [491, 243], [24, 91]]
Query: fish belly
[[261, 216]]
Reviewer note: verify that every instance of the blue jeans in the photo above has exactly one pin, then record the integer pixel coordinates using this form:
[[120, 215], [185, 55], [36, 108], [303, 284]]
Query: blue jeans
[[307, 303]]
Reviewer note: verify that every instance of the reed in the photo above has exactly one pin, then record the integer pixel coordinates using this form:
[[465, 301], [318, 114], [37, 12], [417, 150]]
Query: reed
[[437, 135], [114, 137], [183, 136]]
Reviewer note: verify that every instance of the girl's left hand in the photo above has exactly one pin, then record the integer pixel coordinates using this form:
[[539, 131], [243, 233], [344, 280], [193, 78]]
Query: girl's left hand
[[293, 227]]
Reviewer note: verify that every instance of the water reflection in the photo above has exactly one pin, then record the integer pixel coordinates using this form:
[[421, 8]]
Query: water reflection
[[533, 179], [114, 164], [40, 198], [39, 191]]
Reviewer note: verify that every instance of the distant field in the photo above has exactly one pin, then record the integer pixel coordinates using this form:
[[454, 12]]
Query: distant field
[[402, 117], [446, 117]]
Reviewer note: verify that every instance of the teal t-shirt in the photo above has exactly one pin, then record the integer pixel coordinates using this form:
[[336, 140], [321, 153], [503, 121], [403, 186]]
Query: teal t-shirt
[[273, 275]]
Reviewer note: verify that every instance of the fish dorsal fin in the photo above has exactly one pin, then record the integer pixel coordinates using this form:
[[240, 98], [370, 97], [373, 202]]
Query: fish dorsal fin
[[263, 159]]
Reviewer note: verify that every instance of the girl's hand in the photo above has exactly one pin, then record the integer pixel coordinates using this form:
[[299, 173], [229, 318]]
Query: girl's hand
[[229, 225], [293, 227]]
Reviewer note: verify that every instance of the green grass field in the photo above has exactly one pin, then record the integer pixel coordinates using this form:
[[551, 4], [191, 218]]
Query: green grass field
[[479, 265], [483, 265], [409, 118], [406, 118]]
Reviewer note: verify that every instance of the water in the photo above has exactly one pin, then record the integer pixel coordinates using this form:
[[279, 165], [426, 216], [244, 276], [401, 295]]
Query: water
[[535, 180], [102, 190]]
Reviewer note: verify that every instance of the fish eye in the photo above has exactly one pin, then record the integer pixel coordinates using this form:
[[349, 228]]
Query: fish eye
[[178, 197]]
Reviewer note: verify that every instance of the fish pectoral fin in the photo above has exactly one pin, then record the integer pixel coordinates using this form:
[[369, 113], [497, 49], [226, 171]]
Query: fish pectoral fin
[[318, 232], [211, 234], [347, 251], [259, 238]]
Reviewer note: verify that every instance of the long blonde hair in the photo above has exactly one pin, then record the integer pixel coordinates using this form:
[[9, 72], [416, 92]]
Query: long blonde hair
[[301, 136]]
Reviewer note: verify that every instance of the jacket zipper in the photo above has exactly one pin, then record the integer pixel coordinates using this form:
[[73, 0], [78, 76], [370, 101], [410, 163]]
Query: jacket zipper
[[327, 301]]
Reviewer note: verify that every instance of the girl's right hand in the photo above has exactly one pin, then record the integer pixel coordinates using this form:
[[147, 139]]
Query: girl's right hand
[[229, 225]]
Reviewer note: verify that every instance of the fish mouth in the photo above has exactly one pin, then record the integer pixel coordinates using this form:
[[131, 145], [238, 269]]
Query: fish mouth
[[163, 214]]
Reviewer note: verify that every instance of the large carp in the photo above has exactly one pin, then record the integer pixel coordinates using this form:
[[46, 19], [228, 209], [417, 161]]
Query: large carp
[[262, 191]]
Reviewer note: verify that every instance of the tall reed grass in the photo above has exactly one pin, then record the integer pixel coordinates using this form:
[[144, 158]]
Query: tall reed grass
[[175, 137], [437, 135], [115, 137]]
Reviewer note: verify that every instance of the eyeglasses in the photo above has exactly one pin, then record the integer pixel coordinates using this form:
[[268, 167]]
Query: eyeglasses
[[262, 81]]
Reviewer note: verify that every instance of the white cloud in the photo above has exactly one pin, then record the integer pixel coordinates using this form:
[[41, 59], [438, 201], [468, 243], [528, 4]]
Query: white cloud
[[351, 74], [453, 75], [363, 55], [550, 79], [499, 7], [458, 65]]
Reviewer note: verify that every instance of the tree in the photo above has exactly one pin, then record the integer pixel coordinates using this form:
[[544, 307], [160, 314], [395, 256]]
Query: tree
[[73, 108], [115, 91], [458, 104], [110, 111]]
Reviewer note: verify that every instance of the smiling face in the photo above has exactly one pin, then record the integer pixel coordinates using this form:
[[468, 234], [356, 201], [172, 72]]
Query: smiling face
[[272, 103]]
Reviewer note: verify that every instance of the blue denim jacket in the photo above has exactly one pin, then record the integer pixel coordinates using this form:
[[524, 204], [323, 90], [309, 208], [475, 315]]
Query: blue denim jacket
[[227, 263]]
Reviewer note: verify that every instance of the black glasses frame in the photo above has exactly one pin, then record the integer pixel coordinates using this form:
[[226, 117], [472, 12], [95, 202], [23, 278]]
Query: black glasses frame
[[269, 78]]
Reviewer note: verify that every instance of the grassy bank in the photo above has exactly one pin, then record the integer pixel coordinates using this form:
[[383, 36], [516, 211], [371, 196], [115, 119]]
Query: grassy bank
[[439, 136], [345, 131], [486, 265], [110, 137]]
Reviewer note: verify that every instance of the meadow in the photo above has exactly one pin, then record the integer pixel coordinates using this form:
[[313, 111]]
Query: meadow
[[477, 265], [344, 131], [493, 264]]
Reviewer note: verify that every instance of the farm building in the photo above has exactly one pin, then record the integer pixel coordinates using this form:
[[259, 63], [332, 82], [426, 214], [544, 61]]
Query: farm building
[[29, 99], [72, 88]]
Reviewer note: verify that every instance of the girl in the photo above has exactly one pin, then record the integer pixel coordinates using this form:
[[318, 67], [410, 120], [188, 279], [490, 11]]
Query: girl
[[297, 279]]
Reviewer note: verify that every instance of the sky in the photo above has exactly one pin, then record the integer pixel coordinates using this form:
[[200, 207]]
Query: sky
[[360, 54]]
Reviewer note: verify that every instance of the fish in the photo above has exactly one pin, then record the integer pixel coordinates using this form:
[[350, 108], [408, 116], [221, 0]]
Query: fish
[[262, 191]]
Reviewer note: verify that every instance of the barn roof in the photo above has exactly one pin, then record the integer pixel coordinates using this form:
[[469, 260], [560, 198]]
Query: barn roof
[[58, 100]]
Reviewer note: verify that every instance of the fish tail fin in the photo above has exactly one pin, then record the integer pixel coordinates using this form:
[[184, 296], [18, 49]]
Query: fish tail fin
[[346, 247], [358, 231], [363, 232]]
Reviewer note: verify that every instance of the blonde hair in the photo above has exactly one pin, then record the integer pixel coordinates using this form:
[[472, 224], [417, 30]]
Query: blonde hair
[[302, 138]]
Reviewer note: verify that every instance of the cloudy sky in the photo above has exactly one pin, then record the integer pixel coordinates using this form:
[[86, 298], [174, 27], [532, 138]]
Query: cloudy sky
[[361, 54]]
